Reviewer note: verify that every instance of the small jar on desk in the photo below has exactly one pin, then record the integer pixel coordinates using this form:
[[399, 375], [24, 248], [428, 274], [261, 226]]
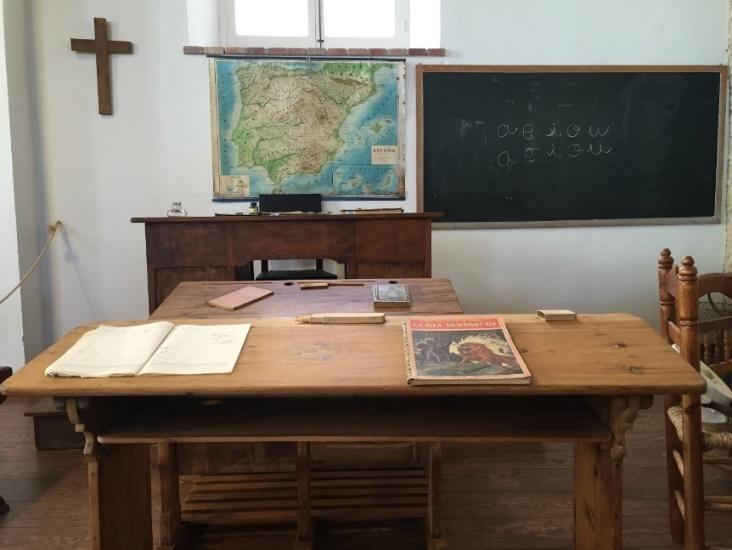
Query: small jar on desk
[[177, 211]]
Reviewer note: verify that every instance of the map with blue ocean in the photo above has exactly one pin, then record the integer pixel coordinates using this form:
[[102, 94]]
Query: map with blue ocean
[[329, 127]]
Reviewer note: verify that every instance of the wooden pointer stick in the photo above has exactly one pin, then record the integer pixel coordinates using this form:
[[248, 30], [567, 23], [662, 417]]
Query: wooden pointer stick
[[331, 283], [342, 318]]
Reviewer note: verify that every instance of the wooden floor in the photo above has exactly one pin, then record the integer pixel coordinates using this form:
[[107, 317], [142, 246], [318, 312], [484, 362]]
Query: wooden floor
[[495, 498]]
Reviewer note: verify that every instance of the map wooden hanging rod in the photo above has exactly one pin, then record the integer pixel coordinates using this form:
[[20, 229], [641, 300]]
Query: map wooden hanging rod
[[102, 47]]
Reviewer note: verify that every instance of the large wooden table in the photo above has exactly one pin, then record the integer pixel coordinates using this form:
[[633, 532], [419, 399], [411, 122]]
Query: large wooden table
[[329, 383], [215, 249]]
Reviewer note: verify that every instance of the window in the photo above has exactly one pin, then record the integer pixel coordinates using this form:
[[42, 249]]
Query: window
[[280, 18], [332, 23], [271, 23]]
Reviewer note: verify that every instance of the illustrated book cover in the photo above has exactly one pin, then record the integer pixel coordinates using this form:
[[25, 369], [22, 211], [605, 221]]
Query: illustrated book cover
[[462, 350], [152, 348], [240, 298], [391, 295]]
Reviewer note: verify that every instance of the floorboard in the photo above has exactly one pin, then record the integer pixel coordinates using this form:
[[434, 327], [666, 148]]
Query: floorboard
[[495, 498]]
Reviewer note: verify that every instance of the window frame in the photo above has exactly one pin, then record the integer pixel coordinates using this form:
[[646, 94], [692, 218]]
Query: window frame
[[399, 40], [227, 25], [227, 22]]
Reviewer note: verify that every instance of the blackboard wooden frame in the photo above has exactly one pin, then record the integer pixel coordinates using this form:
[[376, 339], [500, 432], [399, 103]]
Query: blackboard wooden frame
[[722, 70]]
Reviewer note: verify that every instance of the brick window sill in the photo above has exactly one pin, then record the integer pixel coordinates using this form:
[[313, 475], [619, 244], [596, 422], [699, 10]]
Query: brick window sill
[[319, 52]]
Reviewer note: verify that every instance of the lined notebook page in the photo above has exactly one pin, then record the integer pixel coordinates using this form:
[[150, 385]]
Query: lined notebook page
[[111, 351], [199, 349]]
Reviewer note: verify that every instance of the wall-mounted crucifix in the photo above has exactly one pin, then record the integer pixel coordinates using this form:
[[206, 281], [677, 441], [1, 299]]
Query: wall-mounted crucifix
[[102, 47]]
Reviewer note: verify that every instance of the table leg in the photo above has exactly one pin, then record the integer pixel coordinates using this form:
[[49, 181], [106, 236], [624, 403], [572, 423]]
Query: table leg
[[598, 474], [304, 540], [435, 540], [118, 478], [119, 497], [172, 533], [598, 498]]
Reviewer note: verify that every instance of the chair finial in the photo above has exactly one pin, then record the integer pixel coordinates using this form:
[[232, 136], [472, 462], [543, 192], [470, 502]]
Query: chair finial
[[665, 261], [687, 270]]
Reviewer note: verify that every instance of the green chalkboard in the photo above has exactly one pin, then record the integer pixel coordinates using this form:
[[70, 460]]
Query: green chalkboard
[[570, 145]]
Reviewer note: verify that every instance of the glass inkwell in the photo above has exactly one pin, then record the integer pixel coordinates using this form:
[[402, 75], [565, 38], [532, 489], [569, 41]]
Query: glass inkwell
[[177, 211]]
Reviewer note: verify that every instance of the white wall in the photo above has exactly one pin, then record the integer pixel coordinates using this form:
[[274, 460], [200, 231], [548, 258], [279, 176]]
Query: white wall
[[97, 172], [11, 320], [728, 229], [29, 202]]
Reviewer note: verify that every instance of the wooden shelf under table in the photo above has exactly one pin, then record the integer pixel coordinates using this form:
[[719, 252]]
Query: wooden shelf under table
[[367, 494], [358, 494], [424, 419]]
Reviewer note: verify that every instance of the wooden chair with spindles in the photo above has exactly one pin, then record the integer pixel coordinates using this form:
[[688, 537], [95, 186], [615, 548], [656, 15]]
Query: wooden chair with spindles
[[680, 289], [716, 333], [5, 373]]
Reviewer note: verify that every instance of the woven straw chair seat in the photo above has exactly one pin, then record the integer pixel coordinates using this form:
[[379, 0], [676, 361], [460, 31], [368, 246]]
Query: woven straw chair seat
[[711, 438]]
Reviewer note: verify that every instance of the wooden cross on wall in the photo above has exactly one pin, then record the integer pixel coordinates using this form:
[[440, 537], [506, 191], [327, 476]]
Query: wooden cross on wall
[[102, 47]]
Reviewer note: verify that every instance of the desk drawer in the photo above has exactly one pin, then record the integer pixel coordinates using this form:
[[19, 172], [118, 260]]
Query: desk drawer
[[186, 244], [384, 241], [292, 239]]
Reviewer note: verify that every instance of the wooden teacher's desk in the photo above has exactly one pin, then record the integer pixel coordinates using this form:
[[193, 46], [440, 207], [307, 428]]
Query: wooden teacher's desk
[[348, 383], [188, 300], [216, 249]]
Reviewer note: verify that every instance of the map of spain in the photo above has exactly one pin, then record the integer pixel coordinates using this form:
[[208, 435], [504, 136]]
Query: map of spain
[[329, 127]]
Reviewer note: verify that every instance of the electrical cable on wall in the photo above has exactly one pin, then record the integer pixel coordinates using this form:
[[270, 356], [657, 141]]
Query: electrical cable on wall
[[53, 229]]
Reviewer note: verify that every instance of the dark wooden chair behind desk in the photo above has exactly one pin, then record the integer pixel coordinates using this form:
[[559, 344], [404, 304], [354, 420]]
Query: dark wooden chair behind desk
[[318, 272], [5, 373], [687, 438]]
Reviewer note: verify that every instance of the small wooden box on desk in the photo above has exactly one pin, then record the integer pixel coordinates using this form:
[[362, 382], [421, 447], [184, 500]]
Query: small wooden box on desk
[[211, 248]]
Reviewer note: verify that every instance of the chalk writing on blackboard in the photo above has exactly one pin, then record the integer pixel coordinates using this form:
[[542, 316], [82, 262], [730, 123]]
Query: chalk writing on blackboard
[[586, 139]]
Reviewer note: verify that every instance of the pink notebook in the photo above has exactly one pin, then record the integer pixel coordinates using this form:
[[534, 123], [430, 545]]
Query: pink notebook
[[239, 298]]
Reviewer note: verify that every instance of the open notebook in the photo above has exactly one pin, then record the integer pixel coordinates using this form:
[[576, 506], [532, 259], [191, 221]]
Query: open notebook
[[152, 348]]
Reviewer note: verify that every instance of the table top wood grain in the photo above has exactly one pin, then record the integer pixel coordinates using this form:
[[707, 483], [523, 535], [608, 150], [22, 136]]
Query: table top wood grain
[[603, 354], [189, 299]]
